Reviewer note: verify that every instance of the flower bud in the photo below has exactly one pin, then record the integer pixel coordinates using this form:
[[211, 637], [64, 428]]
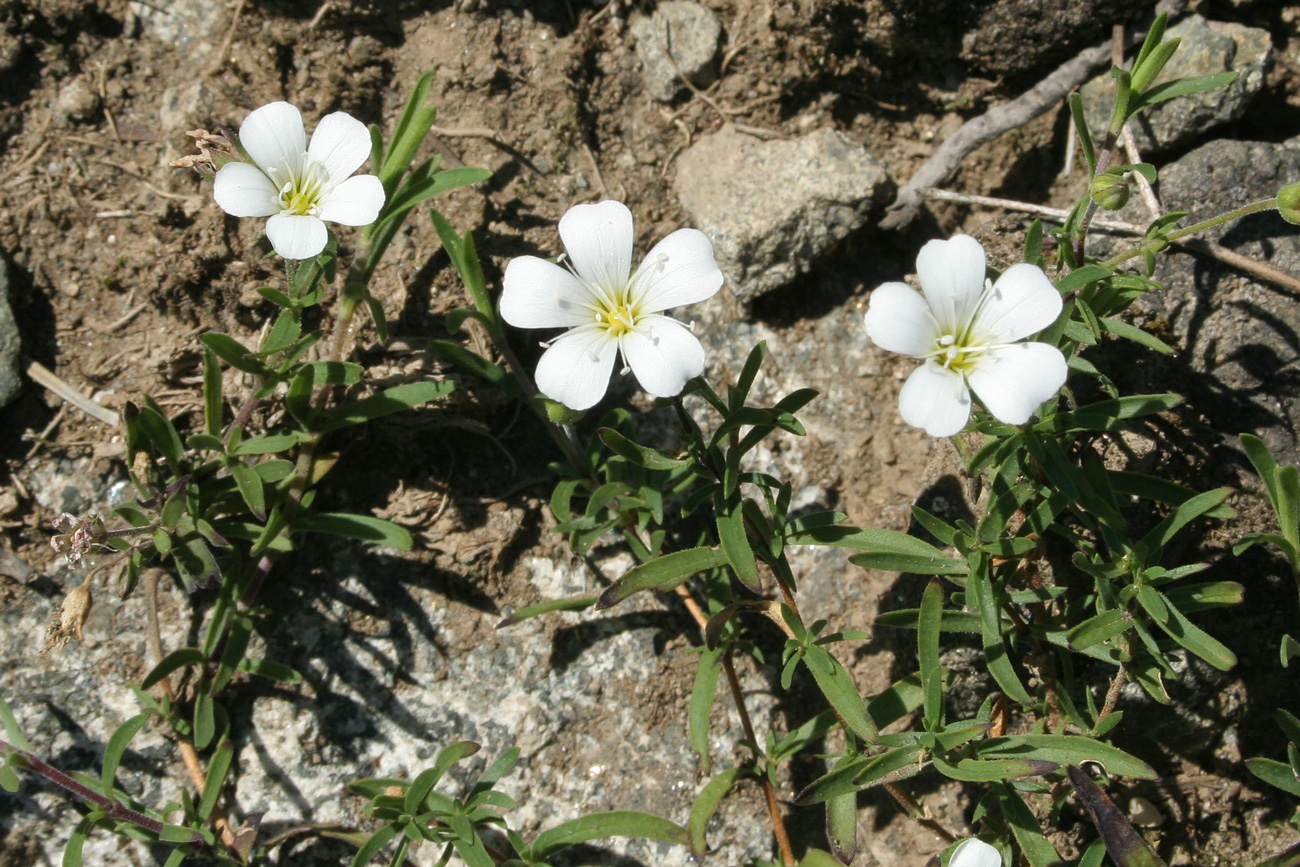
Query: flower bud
[[1288, 203], [1109, 191]]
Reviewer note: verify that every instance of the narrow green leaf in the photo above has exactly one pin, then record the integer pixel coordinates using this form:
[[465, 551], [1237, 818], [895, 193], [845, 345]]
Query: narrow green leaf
[[1120, 328], [703, 692], [212, 400], [237, 638], [989, 770], [479, 366], [840, 690], [250, 487], [1097, 629], [663, 573], [1080, 120], [218, 767], [396, 399], [995, 649], [372, 847], [637, 453], [884, 549], [270, 670], [617, 823], [1186, 512], [367, 528], [72, 851], [1184, 86], [927, 640], [842, 826], [705, 806], [949, 621], [178, 658], [901, 698], [116, 747], [12, 732], [1033, 845], [569, 603], [734, 541], [1275, 773], [1068, 750], [205, 725]]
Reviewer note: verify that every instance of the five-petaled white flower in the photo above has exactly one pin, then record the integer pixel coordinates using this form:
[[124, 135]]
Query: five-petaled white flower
[[299, 185], [966, 328], [608, 309], [974, 852]]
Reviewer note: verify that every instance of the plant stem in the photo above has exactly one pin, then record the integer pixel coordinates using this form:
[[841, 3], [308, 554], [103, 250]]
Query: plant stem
[[737, 696], [1159, 242], [111, 808]]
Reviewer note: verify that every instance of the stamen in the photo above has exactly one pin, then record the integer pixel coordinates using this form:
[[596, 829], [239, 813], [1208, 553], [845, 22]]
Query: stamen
[[591, 353], [690, 326], [947, 340], [661, 260], [543, 344], [625, 371]]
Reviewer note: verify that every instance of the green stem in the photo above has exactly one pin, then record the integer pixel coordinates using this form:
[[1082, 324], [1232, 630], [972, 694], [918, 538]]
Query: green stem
[[1161, 241]]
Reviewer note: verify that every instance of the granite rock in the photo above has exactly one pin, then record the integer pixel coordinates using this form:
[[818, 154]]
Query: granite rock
[[10, 341], [689, 33], [773, 207], [1207, 48]]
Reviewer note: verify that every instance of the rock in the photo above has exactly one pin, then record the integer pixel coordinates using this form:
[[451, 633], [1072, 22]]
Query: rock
[[193, 26], [1236, 335], [689, 33], [77, 102], [1207, 48], [995, 38], [773, 207], [10, 341]]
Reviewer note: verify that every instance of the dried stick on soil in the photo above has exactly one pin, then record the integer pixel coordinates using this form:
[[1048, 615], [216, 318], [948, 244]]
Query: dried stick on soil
[[997, 120], [1194, 245], [42, 375], [1038, 99]]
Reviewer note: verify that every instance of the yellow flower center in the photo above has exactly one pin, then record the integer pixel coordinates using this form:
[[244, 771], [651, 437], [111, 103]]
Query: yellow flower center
[[950, 353], [301, 193], [618, 320]]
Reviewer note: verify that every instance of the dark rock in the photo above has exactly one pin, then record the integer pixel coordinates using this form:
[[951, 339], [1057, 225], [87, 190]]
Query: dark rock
[[10, 342]]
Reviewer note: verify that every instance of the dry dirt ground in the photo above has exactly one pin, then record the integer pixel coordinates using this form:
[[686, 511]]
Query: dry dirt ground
[[121, 261]]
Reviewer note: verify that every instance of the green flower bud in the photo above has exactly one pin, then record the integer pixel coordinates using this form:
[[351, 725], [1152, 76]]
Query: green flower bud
[[1109, 191], [558, 412], [1288, 203]]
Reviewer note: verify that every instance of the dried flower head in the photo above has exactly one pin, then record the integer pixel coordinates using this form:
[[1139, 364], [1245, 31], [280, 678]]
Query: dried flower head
[[74, 536], [215, 150], [69, 620]]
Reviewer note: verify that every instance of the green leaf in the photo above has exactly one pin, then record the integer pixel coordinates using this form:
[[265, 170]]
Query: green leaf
[[927, 639], [901, 698], [1159, 490], [1183, 631], [995, 649], [989, 770], [212, 400], [412, 127], [1182, 87], [617, 823], [840, 690], [372, 847], [250, 487], [237, 638], [1080, 277], [1275, 773], [569, 603], [1106, 414], [72, 851], [1068, 750], [705, 806], [637, 453], [12, 732], [266, 444], [287, 329], [218, 767], [396, 399], [205, 725], [117, 745], [270, 670], [703, 692], [1189, 510], [9, 780], [885, 549], [663, 573], [949, 620], [1080, 121], [234, 353], [734, 541], [367, 528], [479, 366], [1095, 630], [178, 658], [1265, 465], [162, 433], [1288, 650], [842, 826], [1120, 328], [1033, 845]]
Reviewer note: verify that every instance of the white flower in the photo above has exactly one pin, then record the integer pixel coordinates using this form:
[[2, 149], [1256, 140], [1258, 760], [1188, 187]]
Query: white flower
[[608, 309], [299, 185], [966, 329], [974, 852]]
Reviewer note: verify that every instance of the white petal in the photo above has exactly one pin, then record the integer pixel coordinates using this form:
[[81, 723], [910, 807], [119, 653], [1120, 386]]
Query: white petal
[[296, 236], [1013, 380], [935, 399], [679, 270], [340, 143], [355, 202], [663, 355], [540, 294], [241, 190], [973, 852], [599, 240], [952, 277], [273, 135], [1023, 302], [899, 320], [575, 370]]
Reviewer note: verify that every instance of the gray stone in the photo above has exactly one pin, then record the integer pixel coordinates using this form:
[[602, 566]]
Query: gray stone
[[192, 26], [10, 342], [1207, 48], [773, 207], [689, 33], [77, 102], [1238, 337]]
